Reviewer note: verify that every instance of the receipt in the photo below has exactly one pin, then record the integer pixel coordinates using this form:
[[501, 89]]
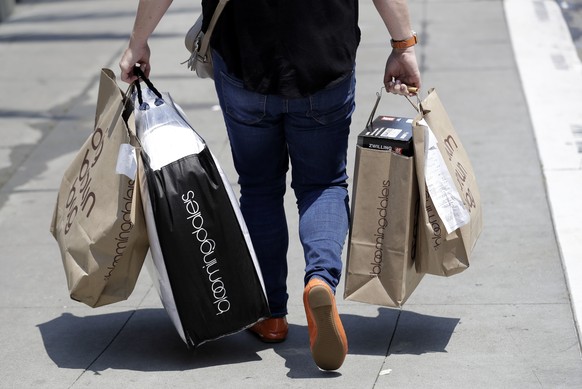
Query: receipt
[[440, 185]]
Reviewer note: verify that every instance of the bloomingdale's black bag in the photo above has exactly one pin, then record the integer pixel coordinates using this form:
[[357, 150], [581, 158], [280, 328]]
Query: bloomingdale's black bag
[[206, 252]]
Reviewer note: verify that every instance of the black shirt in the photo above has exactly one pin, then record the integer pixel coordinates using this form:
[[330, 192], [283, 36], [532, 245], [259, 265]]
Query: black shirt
[[287, 47]]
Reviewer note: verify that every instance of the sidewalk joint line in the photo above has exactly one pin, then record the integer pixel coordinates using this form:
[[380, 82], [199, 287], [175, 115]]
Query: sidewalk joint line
[[389, 346], [105, 348]]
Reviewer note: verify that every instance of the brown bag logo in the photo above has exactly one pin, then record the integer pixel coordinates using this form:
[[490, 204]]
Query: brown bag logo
[[123, 237], [84, 181]]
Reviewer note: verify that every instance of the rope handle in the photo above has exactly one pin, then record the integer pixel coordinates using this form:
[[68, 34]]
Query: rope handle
[[140, 74]]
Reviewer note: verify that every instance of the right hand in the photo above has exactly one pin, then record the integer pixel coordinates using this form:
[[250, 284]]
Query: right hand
[[135, 55]]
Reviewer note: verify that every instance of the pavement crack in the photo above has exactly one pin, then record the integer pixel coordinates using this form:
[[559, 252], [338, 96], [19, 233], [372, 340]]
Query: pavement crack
[[88, 368], [389, 346]]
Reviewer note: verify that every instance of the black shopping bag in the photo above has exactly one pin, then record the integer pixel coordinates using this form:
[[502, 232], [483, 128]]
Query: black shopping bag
[[202, 250]]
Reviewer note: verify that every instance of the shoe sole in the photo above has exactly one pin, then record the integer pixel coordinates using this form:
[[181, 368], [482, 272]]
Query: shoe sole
[[267, 340], [328, 349]]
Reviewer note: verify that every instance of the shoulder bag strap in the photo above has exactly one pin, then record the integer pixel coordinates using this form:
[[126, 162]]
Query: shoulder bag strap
[[206, 39]]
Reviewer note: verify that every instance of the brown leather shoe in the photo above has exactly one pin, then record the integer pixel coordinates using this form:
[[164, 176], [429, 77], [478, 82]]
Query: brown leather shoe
[[273, 330], [328, 341]]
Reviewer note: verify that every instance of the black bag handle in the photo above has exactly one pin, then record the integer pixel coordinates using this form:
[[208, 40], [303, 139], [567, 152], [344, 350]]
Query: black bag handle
[[140, 74]]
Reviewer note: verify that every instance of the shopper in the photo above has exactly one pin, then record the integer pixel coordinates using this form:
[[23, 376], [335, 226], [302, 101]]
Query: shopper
[[284, 73]]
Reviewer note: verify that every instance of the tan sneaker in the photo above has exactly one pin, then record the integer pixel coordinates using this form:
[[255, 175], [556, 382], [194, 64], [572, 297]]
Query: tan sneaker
[[327, 337]]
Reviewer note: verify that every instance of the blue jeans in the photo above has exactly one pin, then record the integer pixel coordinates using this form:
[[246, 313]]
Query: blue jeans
[[266, 132]]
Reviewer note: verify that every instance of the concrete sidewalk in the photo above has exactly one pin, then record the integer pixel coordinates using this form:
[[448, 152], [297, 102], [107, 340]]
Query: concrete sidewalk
[[507, 322]]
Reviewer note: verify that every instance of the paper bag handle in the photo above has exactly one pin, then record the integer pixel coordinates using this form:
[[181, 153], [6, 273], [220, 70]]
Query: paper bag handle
[[373, 113], [417, 106]]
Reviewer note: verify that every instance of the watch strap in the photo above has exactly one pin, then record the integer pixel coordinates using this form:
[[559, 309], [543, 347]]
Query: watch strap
[[403, 44]]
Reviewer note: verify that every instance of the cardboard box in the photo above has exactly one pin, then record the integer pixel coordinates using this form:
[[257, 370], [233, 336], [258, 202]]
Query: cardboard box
[[389, 133]]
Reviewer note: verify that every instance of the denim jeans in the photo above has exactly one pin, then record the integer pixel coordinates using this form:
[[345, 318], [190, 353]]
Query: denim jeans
[[266, 132]]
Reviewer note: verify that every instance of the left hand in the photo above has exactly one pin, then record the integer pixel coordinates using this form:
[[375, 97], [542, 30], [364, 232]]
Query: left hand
[[402, 72]]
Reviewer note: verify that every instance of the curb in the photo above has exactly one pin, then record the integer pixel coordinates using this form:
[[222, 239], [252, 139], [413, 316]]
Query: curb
[[543, 46]]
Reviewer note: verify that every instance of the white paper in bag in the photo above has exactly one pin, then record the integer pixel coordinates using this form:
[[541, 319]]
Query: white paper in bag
[[165, 136], [440, 185], [126, 161]]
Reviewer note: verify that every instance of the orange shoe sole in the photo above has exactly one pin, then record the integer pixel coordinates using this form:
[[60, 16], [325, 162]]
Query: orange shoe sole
[[329, 347]]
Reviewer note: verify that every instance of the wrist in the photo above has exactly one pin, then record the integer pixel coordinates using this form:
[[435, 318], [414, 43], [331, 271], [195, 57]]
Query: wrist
[[138, 38], [137, 42], [404, 43]]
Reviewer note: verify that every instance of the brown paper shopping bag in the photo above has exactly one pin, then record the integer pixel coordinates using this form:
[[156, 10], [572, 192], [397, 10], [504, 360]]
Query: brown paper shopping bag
[[450, 218], [381, 249], [98, 218], [380, 263]]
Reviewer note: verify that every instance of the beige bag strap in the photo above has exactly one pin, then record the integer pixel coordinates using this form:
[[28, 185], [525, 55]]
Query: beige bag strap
[[417, 106], [206, 39], [373, 113]]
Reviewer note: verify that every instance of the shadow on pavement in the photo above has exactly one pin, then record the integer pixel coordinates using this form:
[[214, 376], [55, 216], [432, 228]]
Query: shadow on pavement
[[145, 340], [70, 37], [141, 340], [79, 16], [414, 334], [418, 334]]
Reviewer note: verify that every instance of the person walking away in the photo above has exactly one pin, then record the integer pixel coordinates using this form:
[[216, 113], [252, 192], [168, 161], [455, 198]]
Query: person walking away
[[284, 74]]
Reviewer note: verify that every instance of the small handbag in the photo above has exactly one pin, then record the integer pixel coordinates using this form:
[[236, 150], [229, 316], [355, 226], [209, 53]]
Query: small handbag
[[198, 44]]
